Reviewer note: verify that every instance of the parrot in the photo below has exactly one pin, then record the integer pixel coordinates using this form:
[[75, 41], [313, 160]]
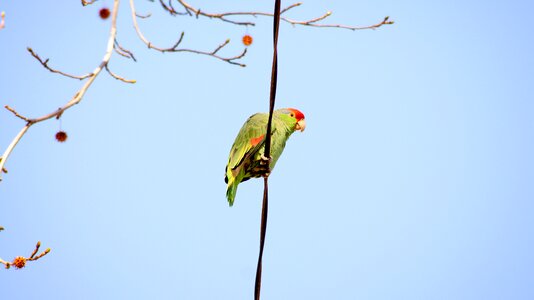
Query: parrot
[[247, 158]]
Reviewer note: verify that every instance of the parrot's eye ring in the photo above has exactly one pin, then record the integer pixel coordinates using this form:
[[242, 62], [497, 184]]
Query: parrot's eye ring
[[292, 115]]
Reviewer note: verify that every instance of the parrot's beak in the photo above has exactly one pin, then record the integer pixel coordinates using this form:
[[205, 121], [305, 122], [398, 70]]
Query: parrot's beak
[[301, 125]]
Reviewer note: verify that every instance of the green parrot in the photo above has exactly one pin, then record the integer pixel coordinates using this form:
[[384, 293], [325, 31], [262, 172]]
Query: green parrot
[[246, 156]]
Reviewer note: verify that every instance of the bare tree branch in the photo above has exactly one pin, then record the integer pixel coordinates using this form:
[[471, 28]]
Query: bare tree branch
[[174, 48], [19, 262], [76, 98], [45, 64], [312, 22]]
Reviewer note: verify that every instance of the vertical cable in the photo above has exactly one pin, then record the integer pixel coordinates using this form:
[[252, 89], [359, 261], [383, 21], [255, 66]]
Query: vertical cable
[[267, 153]]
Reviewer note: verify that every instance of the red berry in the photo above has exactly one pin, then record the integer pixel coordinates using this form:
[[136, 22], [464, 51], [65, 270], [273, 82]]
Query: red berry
[[247, 40], [104, 13], [61, 136]]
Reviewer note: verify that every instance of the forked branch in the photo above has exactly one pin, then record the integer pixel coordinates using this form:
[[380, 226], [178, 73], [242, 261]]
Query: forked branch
[[174, 48], [123, 52], [78, 96], [170, 9]]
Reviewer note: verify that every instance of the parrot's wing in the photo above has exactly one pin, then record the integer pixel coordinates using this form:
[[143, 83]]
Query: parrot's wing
[[250, 139], [251, 149]]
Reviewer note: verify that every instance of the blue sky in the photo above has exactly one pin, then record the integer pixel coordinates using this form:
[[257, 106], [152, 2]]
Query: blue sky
[[413, 179]]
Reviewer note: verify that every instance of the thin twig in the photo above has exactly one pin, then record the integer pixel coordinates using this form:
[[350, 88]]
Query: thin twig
[[197, 12], [290, 7], [87, 2], [77, 97], [16, 113], [171, 9], [385, 21], [143, 16], [36, 249], [118, 77], [122, 51], [220, 46], [45, 64], [174, 48]]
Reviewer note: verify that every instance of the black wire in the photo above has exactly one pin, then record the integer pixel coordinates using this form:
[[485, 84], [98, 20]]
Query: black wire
[[264, 209], [274, 75], [267, 153]]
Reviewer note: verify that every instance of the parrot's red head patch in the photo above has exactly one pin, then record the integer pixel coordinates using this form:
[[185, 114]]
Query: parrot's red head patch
[[299, 116], [295, 113]]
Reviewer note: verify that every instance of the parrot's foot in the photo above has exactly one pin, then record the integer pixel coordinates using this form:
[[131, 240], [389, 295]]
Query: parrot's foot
[[265, 160], [263, 168]]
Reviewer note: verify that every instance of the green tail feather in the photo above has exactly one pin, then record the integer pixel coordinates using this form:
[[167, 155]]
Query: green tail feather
[[231, 192]]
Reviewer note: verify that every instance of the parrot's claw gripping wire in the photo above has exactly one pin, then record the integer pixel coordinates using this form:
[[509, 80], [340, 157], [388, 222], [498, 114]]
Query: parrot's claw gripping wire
[[265, 160], [264, 167]]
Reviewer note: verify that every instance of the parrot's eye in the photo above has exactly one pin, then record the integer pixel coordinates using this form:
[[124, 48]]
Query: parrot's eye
[[292, 115]]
